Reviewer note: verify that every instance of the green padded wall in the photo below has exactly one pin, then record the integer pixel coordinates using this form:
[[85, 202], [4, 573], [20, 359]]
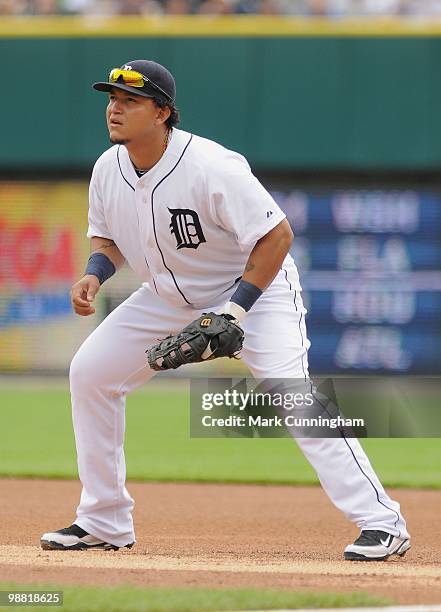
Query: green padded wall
[[289, 102]]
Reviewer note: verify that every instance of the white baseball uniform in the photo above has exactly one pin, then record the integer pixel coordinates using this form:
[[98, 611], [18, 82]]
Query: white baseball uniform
[[187, 227]]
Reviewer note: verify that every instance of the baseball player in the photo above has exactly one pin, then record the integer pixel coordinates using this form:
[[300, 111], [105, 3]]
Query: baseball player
[[203, 235]]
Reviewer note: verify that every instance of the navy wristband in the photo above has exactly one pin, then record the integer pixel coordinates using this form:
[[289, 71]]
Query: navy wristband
[[101, 266], [246, 294]]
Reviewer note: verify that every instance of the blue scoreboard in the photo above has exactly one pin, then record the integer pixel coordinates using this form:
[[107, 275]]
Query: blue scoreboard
[[370, 267]]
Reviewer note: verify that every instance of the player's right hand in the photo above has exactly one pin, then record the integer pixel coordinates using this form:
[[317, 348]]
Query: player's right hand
[[83, 294]]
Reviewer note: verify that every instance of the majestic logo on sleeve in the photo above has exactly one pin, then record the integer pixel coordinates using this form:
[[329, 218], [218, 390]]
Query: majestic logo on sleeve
[[186, 228]]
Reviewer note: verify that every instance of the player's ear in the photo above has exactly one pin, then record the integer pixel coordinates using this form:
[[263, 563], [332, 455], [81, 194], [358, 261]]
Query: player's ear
[[163, 114]]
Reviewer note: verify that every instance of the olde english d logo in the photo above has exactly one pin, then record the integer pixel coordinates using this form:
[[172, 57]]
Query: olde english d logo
[[186, 228]]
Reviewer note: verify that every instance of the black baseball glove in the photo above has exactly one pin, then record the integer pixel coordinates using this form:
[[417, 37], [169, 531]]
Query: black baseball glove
[[210, 336]]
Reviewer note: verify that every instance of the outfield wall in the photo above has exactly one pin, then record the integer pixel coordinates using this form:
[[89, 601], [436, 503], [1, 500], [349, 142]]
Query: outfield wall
[[287, 93]]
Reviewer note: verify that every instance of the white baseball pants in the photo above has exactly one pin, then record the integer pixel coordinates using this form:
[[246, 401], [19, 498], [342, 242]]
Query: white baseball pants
[[112, 362]]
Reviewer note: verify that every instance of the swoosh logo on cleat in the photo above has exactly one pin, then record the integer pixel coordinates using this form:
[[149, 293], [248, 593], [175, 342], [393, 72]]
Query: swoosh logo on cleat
[[387, 541]]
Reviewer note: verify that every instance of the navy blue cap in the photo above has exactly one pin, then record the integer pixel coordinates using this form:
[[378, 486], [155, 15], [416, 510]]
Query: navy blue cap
[[161, 83]]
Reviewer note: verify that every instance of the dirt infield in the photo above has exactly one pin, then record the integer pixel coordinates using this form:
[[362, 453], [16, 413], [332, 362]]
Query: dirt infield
[[220, 536]]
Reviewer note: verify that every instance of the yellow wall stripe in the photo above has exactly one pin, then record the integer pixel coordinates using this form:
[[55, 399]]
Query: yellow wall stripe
[[226, 26]]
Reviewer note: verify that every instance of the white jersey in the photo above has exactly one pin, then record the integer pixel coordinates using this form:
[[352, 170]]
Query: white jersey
[[188, 225]]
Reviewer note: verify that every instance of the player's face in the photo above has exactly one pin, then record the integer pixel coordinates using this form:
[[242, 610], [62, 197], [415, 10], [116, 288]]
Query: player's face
[[130, 117]]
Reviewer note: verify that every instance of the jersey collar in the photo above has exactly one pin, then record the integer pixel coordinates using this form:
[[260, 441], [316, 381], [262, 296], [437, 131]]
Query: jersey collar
[[178, 141]]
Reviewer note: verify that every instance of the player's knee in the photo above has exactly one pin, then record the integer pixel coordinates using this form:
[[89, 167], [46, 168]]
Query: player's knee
[[82, 373]]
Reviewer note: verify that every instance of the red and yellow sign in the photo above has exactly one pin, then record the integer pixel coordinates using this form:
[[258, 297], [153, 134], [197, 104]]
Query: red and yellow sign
[[43, 250]]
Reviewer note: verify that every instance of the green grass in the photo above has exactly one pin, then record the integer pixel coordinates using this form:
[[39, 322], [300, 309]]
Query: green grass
[[135, 599], [37, 440]]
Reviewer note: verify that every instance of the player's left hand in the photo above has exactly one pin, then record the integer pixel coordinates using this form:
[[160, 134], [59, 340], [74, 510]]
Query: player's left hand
[[211, 336]]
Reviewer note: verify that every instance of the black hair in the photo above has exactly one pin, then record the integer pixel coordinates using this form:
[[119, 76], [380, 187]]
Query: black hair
[[174, 118]]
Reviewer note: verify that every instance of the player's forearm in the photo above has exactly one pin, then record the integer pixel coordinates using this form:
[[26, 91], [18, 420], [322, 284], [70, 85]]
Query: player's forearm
[[104, 260], [108, 248], [263, 264], [267, 256]]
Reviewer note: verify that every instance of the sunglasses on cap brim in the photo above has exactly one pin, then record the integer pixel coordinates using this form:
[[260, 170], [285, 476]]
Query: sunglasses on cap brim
[[134, 79]]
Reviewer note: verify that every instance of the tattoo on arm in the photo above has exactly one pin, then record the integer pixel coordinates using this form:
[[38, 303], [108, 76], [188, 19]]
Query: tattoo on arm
[[107, 245], [250, 266]]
